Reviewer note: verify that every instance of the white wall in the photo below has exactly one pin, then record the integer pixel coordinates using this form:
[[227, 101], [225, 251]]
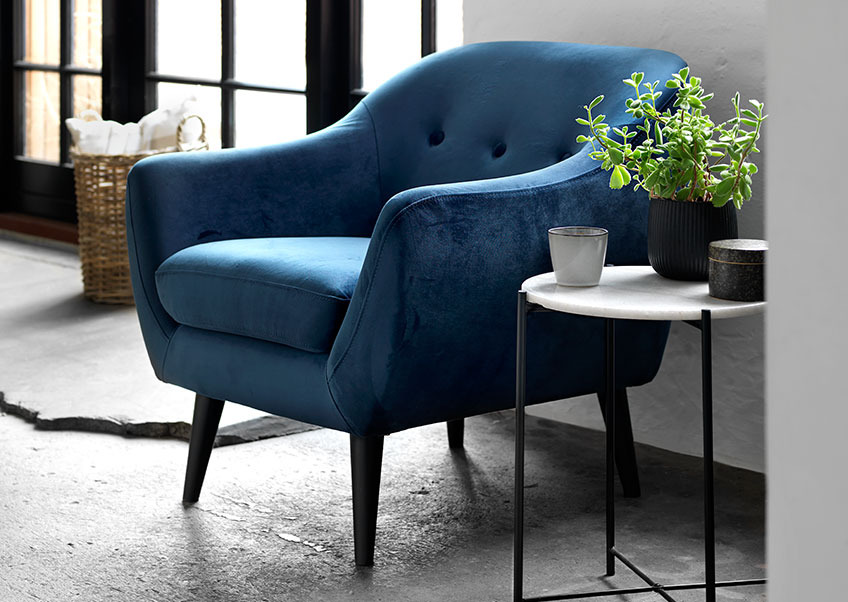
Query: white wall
[[724, 42], [807, 324]]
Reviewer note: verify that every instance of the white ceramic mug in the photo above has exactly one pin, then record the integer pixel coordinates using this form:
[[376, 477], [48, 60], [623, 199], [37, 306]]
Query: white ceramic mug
[[578, 254]]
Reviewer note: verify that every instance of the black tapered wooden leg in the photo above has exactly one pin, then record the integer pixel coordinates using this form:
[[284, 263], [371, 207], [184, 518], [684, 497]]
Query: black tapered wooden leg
[[625, 453], [366, 459], [456, 433], [204, 427]]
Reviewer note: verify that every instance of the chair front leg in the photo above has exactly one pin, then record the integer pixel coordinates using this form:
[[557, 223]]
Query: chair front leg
[[204, 427], [366, 459], [625, 452]]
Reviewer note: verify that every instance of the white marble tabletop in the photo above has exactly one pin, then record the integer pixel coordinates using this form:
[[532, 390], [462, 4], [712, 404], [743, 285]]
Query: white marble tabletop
[[635, 293]]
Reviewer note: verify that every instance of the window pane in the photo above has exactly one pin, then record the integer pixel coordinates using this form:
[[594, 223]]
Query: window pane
[[270, 43], [88, 93], [448, 24], [88, 23], [188, 38], [268, 118], [208, 105], [391, 38], [41, 31], [41, 115]]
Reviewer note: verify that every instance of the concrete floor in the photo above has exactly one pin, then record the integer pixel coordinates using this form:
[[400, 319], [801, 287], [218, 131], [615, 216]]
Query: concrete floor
[[98, 517]]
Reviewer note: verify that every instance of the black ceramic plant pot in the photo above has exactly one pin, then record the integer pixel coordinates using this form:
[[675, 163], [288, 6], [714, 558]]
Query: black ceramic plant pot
[[680, 233]]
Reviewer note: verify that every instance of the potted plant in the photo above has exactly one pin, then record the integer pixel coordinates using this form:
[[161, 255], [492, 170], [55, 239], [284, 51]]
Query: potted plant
[[696, 173]]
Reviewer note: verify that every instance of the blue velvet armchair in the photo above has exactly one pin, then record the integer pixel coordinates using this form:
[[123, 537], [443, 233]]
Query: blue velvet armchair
[[364, 278]]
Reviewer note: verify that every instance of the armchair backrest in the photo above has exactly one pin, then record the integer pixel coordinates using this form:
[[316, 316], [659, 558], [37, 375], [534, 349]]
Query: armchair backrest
[[497, 109]]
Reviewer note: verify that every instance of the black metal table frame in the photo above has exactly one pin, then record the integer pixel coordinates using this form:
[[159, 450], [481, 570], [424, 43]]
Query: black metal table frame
[[710, 584]]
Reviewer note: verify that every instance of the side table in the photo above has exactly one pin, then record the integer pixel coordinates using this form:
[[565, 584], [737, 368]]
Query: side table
[[629, 293]]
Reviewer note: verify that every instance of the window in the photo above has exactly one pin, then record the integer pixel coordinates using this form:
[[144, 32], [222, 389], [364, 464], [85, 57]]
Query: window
[[261, 71], [243, 60], [50, 52], [396, 34], [57, 66]]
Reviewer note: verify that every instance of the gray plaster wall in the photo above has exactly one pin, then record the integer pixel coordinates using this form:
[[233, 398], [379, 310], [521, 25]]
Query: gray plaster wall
[[807, 325], [724, 42]]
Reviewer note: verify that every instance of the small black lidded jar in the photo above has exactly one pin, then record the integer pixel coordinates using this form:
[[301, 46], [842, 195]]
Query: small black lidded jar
[[737, 269]]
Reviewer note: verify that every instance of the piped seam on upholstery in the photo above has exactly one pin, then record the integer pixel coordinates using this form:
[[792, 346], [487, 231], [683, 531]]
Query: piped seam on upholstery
[[376, 151], [243, 332], [167, 350], [336, 404], [324, 297], [141, 276], [443, 197]]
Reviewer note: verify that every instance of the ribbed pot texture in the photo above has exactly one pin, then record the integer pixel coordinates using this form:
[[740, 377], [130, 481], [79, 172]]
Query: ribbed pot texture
[[680, 233]]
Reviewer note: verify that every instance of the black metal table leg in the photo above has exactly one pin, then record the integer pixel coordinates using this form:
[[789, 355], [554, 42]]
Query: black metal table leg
[[709, 497], [520, 392], [609, 379]]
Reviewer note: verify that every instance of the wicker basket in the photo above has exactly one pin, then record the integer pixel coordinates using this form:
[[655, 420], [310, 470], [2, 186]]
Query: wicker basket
[[101, 185]]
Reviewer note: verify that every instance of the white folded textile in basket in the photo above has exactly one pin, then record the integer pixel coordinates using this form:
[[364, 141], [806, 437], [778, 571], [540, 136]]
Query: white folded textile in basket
[[155, 131], [159, 128]]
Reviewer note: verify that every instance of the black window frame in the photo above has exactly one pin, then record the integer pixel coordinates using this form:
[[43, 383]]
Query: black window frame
[[39, 187], [227, 83], [333, 84]]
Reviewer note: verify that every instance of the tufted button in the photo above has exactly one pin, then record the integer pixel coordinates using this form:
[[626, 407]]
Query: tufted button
[[437, 137], [499, 150]]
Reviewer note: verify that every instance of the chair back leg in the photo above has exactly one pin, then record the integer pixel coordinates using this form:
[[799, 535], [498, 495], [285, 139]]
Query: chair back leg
[[456, 432], [625, 452], [204, 427], [366, 459]]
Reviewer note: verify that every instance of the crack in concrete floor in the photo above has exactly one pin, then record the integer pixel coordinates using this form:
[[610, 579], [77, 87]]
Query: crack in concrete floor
[[71, 364]]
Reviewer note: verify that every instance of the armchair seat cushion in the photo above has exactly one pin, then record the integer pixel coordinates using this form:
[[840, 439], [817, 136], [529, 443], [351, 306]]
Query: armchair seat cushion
[[293, 291]]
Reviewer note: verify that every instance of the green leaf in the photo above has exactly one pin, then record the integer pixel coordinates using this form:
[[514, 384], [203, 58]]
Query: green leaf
[[749, 122], [651, 179], [720, 201], [672, 83], [616, 156], [581, 138], [638, 77], [582, 121], [620, 177], [684, 73], [724, 187], [596, 102], [598, 119]]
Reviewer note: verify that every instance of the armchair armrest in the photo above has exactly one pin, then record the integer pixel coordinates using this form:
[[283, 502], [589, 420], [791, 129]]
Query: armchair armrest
[[322, 185], [440, 281]]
